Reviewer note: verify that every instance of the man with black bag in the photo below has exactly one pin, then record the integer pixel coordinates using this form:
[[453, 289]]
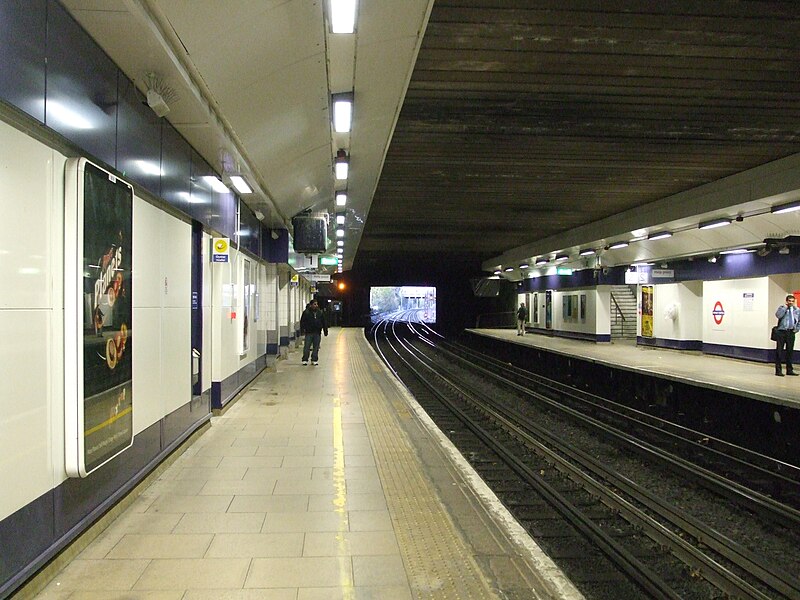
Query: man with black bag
[[312, 323], [784, 333]]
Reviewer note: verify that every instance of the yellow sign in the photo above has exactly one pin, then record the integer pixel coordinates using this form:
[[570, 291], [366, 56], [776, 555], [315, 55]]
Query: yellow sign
[[295, 279], [220, 246]]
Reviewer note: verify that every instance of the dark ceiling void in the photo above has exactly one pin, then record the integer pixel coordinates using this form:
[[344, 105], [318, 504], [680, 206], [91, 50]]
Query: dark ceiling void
[[523, 120]]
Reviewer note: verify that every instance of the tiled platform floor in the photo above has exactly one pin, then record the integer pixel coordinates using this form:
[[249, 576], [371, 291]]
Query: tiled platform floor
[[746, 378], [318, 483]]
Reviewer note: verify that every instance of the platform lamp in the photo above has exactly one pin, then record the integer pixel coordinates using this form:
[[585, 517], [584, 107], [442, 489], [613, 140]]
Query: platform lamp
[[342, 105], [342, 165]]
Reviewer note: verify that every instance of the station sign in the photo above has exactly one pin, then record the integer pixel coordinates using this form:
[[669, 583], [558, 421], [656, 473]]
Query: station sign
[[320, 277]]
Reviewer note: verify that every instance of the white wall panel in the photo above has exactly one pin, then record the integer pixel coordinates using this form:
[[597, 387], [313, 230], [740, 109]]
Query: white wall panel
[[176, 262], [176, 365], [148, 404], [146, 249], [745, 324], [25, 380], [29, 245], [683, 300]]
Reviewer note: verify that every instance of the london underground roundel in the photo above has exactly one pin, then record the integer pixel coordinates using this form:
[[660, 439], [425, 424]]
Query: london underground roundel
[[718, 312]]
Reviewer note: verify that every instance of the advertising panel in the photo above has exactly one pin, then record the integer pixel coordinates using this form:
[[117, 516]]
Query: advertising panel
[[647, 311], [98, 317]]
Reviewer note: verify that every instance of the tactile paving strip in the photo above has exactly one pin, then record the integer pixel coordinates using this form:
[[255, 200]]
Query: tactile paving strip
[[438, 562]]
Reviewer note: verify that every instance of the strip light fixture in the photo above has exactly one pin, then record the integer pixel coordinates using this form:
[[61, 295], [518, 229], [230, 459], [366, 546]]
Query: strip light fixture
[[785, 208], [714, 223], [342, 112], [562, 257], [662, 235], [540, 261], [240, 184], [343, 16], [342, 165], [618, 245], [588, 252], [215, 184], [341, 199]]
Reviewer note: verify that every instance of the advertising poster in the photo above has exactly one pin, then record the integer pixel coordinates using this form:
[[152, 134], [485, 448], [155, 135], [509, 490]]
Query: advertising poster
[[647, 311], [107, 402], [548, 309], [583, 308], [246, 309]]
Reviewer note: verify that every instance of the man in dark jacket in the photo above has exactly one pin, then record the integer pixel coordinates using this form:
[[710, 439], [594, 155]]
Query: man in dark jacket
[[312, 323]]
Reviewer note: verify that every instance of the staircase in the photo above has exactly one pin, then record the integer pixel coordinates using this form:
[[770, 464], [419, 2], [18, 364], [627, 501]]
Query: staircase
[[623, 312]]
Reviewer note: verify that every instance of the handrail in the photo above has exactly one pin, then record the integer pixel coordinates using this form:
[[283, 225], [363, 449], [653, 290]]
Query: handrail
[[619, 310]]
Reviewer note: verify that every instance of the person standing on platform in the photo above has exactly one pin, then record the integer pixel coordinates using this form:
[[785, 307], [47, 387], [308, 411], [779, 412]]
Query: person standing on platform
[[788, 324], [312, 323], [522, 316]]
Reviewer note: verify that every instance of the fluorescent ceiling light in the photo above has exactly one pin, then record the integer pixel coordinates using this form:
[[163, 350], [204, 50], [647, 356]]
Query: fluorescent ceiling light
[[588, 252], [340, 232], [340, 219], [660, 236], [240, 184], [561, 257], [341, 168], [738, 251], [340, 251], [524, 266], [644, 264], [540, 261], [340, 242], [342, 112], [498, 272], [215, 184], [508, 269], [618, 245], [785, 208], [714, 223], [341, 199], [343, 16]]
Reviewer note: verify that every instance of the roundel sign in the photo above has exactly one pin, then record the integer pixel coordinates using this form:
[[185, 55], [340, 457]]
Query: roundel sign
[[718, 312]]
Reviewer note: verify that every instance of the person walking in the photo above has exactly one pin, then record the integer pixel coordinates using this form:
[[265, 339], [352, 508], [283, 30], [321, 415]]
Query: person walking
[[312, 323], [788, 324], [522, 316]]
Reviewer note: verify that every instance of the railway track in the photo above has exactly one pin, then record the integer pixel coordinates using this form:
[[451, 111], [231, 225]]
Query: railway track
[[612, 536]]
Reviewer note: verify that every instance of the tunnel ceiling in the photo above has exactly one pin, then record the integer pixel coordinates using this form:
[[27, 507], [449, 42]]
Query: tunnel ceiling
[[523, 119]]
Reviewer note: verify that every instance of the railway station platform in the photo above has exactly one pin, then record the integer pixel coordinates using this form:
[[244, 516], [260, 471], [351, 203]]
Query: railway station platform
[[319, 482], [739, 377]]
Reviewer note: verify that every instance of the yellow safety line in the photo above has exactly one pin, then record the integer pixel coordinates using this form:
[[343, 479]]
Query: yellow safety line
[[107, 422], [339, 483]]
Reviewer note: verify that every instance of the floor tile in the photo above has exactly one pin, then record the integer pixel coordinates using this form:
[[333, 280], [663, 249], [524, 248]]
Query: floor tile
[[370, 520], [194, 573], [269, 504], [99, 575], [221, 523], [379, 571], [258, 545], [134, 545], [305, 521], [365, 543], [191, 504], [263, 487], [299, 572]]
